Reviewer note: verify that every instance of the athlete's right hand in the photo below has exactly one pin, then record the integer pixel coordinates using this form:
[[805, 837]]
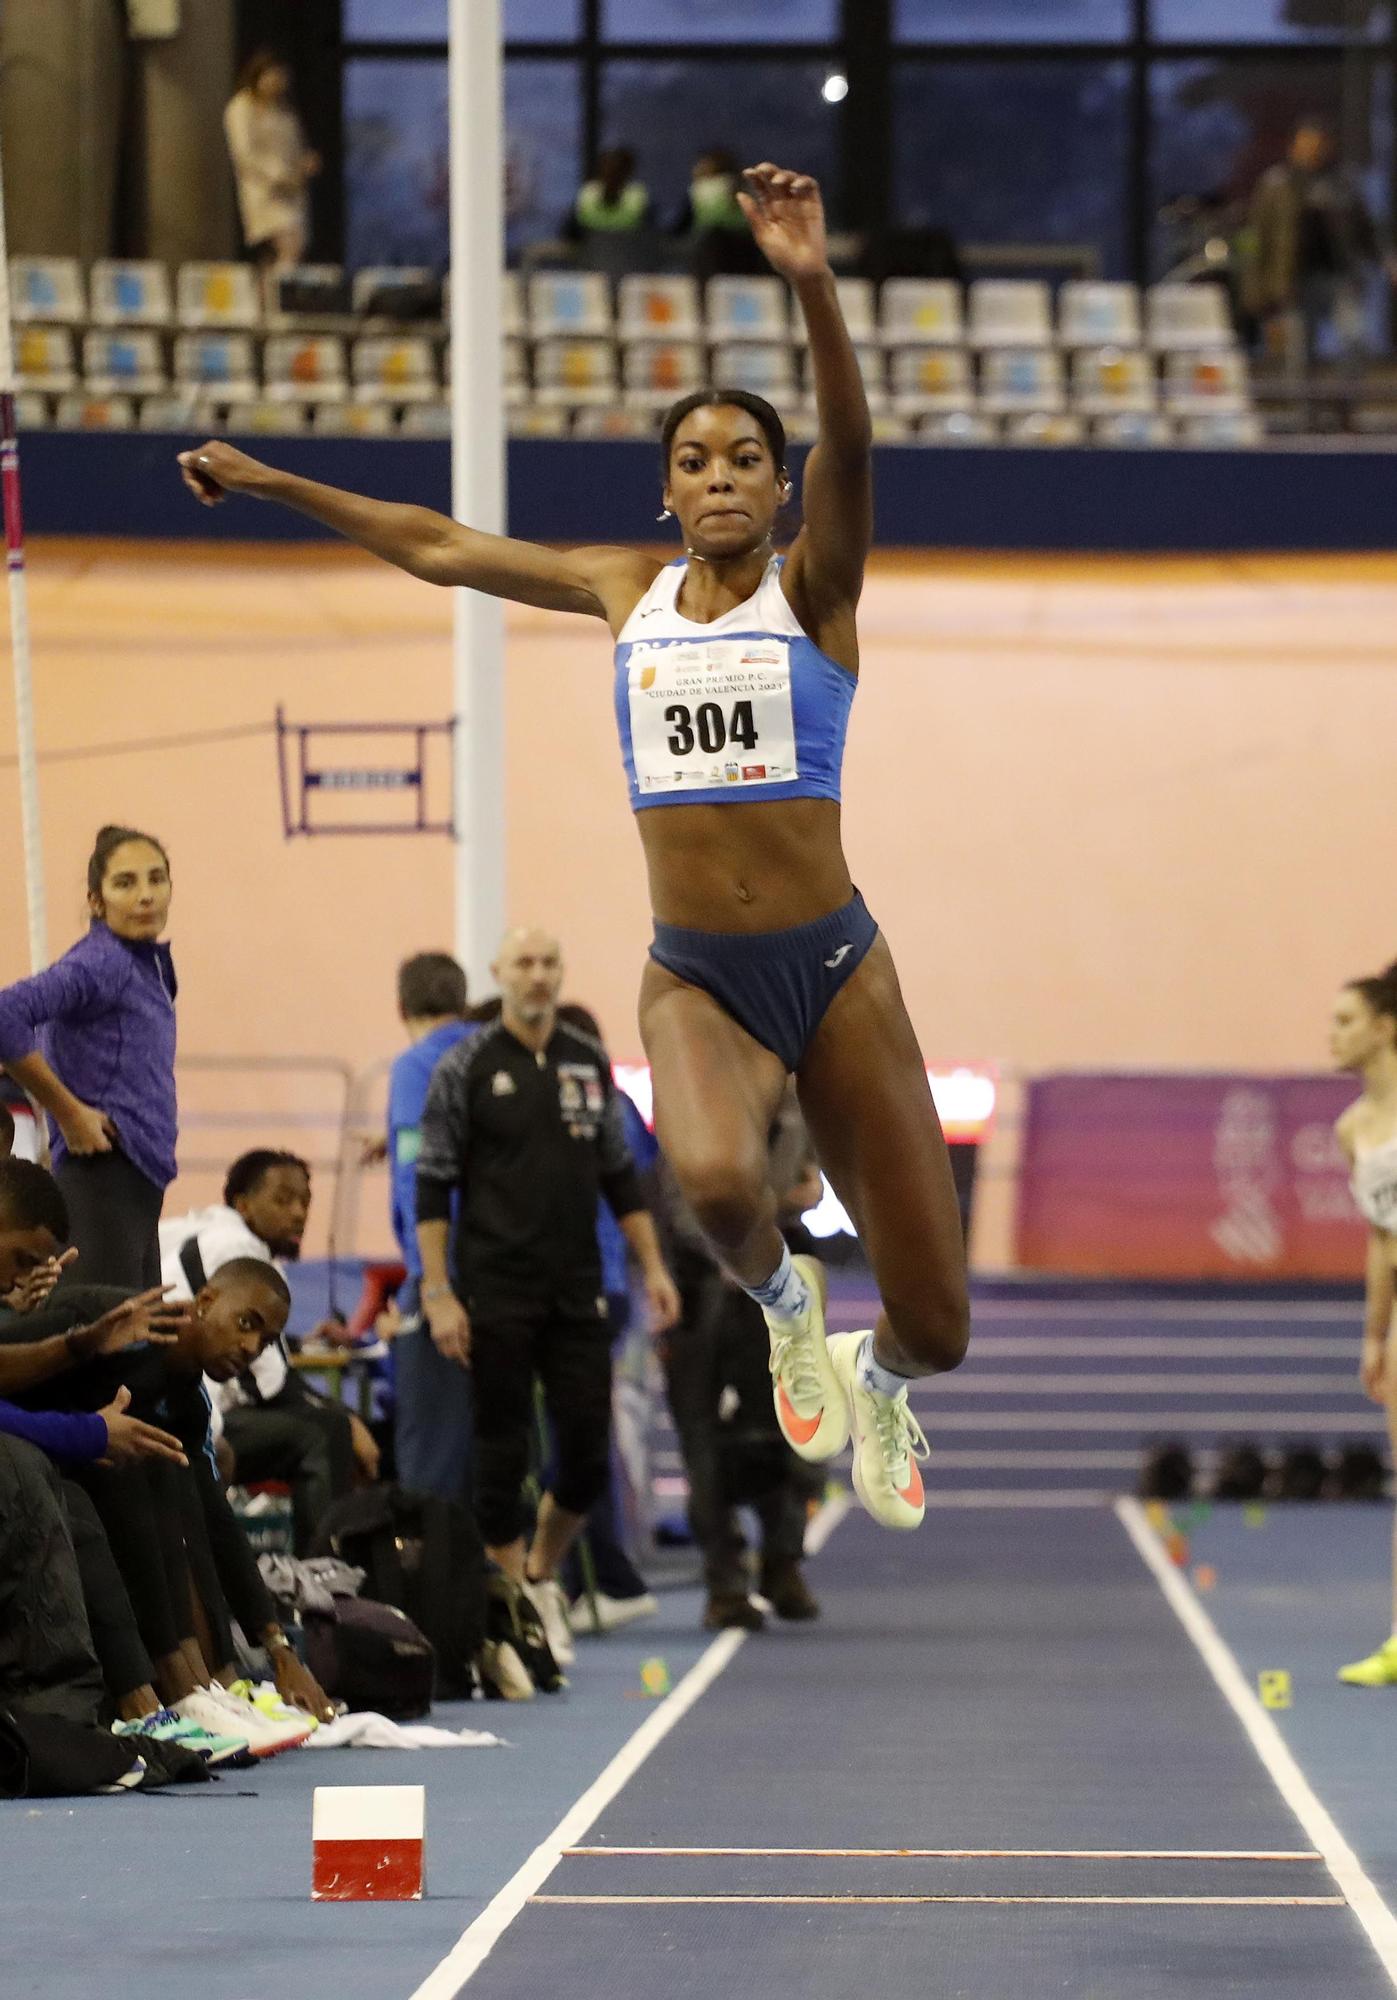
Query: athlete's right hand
[[215, 470], [149, 1317], [87, 1130], [450, 1328]]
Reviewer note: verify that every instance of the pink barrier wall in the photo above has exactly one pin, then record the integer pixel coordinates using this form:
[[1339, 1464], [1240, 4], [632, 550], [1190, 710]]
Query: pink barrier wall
[[1187, 1176]]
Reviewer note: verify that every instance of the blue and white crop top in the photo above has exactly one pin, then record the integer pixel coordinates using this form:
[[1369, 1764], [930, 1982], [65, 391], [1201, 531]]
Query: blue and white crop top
[[746, 707]]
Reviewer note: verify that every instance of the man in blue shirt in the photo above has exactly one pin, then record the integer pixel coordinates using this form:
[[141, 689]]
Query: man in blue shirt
[[432, 1413]]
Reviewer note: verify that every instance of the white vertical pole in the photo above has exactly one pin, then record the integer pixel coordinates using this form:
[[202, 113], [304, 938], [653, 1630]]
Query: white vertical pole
[[19, 625], [476, 87]]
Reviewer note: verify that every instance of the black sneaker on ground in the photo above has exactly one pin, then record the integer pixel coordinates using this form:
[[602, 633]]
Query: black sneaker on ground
[[727, 1610], [167, 1763], [786, 1591]]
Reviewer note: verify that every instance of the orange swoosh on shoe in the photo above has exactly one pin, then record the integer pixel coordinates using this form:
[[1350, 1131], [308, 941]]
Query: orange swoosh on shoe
[[799, 1429], [914, 1493]]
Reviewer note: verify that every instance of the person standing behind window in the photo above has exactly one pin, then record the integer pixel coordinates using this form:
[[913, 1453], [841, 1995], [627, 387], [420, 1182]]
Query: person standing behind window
[[432, 1395], [92, 1040], [272, 163]]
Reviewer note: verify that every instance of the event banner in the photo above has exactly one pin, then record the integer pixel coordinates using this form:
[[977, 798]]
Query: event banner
[[1180, 1176]]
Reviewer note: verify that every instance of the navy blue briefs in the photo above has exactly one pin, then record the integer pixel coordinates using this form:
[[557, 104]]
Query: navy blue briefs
[[778, 985]]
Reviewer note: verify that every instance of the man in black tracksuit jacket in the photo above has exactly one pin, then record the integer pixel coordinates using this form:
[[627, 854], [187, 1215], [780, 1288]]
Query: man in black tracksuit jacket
[[522, 1124]]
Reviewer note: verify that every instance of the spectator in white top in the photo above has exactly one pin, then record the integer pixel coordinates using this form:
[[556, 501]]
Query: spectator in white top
[[275, 1426], [272, 163]]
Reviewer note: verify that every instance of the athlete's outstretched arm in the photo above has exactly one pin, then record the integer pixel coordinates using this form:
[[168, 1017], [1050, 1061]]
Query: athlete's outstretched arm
[[598, 582], [788, 222]]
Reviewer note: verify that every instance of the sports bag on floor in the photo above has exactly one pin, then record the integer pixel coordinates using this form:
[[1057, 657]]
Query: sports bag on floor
[[423, 1555], [371, 1656]]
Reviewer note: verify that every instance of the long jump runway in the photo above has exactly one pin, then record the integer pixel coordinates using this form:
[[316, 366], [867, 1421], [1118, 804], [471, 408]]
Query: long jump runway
[[1014, 1759]]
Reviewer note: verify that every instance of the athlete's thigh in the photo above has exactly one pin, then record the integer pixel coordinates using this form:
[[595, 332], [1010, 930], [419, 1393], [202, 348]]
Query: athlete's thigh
[[864, 1094], [716, 1088]]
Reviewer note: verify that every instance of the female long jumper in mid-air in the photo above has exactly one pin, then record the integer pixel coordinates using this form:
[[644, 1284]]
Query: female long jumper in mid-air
[[735, 671]]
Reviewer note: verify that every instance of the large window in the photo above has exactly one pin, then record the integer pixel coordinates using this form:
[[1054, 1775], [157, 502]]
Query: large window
[[1015, 152], [1134, 128]]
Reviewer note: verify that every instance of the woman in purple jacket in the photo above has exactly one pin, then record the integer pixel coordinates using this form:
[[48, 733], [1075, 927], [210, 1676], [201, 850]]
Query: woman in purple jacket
[[93, 1040]]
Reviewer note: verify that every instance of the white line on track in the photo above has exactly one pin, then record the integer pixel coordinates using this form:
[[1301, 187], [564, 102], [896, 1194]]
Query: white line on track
[[1267, 1741], [479, 1939], [1093, 1902], [957, 1853]]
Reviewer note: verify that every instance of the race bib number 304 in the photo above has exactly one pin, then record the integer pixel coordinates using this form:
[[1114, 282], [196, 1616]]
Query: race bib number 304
[[716, 712]]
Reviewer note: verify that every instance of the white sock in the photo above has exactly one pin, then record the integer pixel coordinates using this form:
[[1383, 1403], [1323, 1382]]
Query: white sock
[[873, 1375], [785, 1292]]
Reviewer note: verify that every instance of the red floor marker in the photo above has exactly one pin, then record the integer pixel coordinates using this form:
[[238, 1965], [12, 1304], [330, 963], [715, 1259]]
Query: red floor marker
[[367, 1843]]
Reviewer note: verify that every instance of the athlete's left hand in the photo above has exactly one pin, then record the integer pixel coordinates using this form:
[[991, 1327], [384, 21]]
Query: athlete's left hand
[[34, 1287], [788, 220], [662, 1300]]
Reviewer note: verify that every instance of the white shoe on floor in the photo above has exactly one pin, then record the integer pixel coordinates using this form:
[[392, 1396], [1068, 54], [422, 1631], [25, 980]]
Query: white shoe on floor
[[266, 1737], [811, 1408], [552, 1608], [612, 1612], [888, 1442]]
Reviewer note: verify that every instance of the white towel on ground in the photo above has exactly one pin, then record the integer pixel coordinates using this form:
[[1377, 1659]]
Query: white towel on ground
[[367, 1731]]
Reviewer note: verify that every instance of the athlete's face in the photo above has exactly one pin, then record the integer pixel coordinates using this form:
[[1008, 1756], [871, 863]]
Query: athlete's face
[[277, 1208], [231, 1326], [1357, 1032], [724, 486]]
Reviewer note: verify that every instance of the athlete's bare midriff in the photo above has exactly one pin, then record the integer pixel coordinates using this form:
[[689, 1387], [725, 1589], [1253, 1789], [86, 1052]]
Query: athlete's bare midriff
[[758, 866]]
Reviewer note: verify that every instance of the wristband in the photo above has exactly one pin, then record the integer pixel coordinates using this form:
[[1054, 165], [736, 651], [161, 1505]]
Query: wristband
[[436, 1291]]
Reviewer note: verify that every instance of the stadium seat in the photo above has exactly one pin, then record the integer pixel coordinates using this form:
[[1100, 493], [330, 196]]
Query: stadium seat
[[859, 304], [1205, 384], [1010, 312], [511, 303], [1129, 428], [44, 359], [129, 292], [1021, 379], [516, 371], [354, 420], [1045, 427], [1188, 317], [757, 366], [184, 413], [956, 427], [218, 365], [1223, 428], [747, 309], [414, 282], [31, 411], [889, 428], [662, 308], [304, 368], [923, 312], [1107, 379], [538, 420], [1097, 315], [574, 372], [308, 293], [94, 413], [426, 420], [930, 378], [216, 295], [394, 371], [875, 381], [600, 421], [569, 305], [657, 372], [48, 289], [127, 363], [265, 418]]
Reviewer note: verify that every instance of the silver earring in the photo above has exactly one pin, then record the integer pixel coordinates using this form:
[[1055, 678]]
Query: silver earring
[[666, 516]]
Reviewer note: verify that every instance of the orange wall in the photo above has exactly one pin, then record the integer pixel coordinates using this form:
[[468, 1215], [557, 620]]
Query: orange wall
[[1109, 811]]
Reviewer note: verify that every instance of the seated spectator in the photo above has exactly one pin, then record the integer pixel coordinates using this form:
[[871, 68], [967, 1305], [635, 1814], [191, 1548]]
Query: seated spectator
[[613, 202], [275, 1426], [720, 240]]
